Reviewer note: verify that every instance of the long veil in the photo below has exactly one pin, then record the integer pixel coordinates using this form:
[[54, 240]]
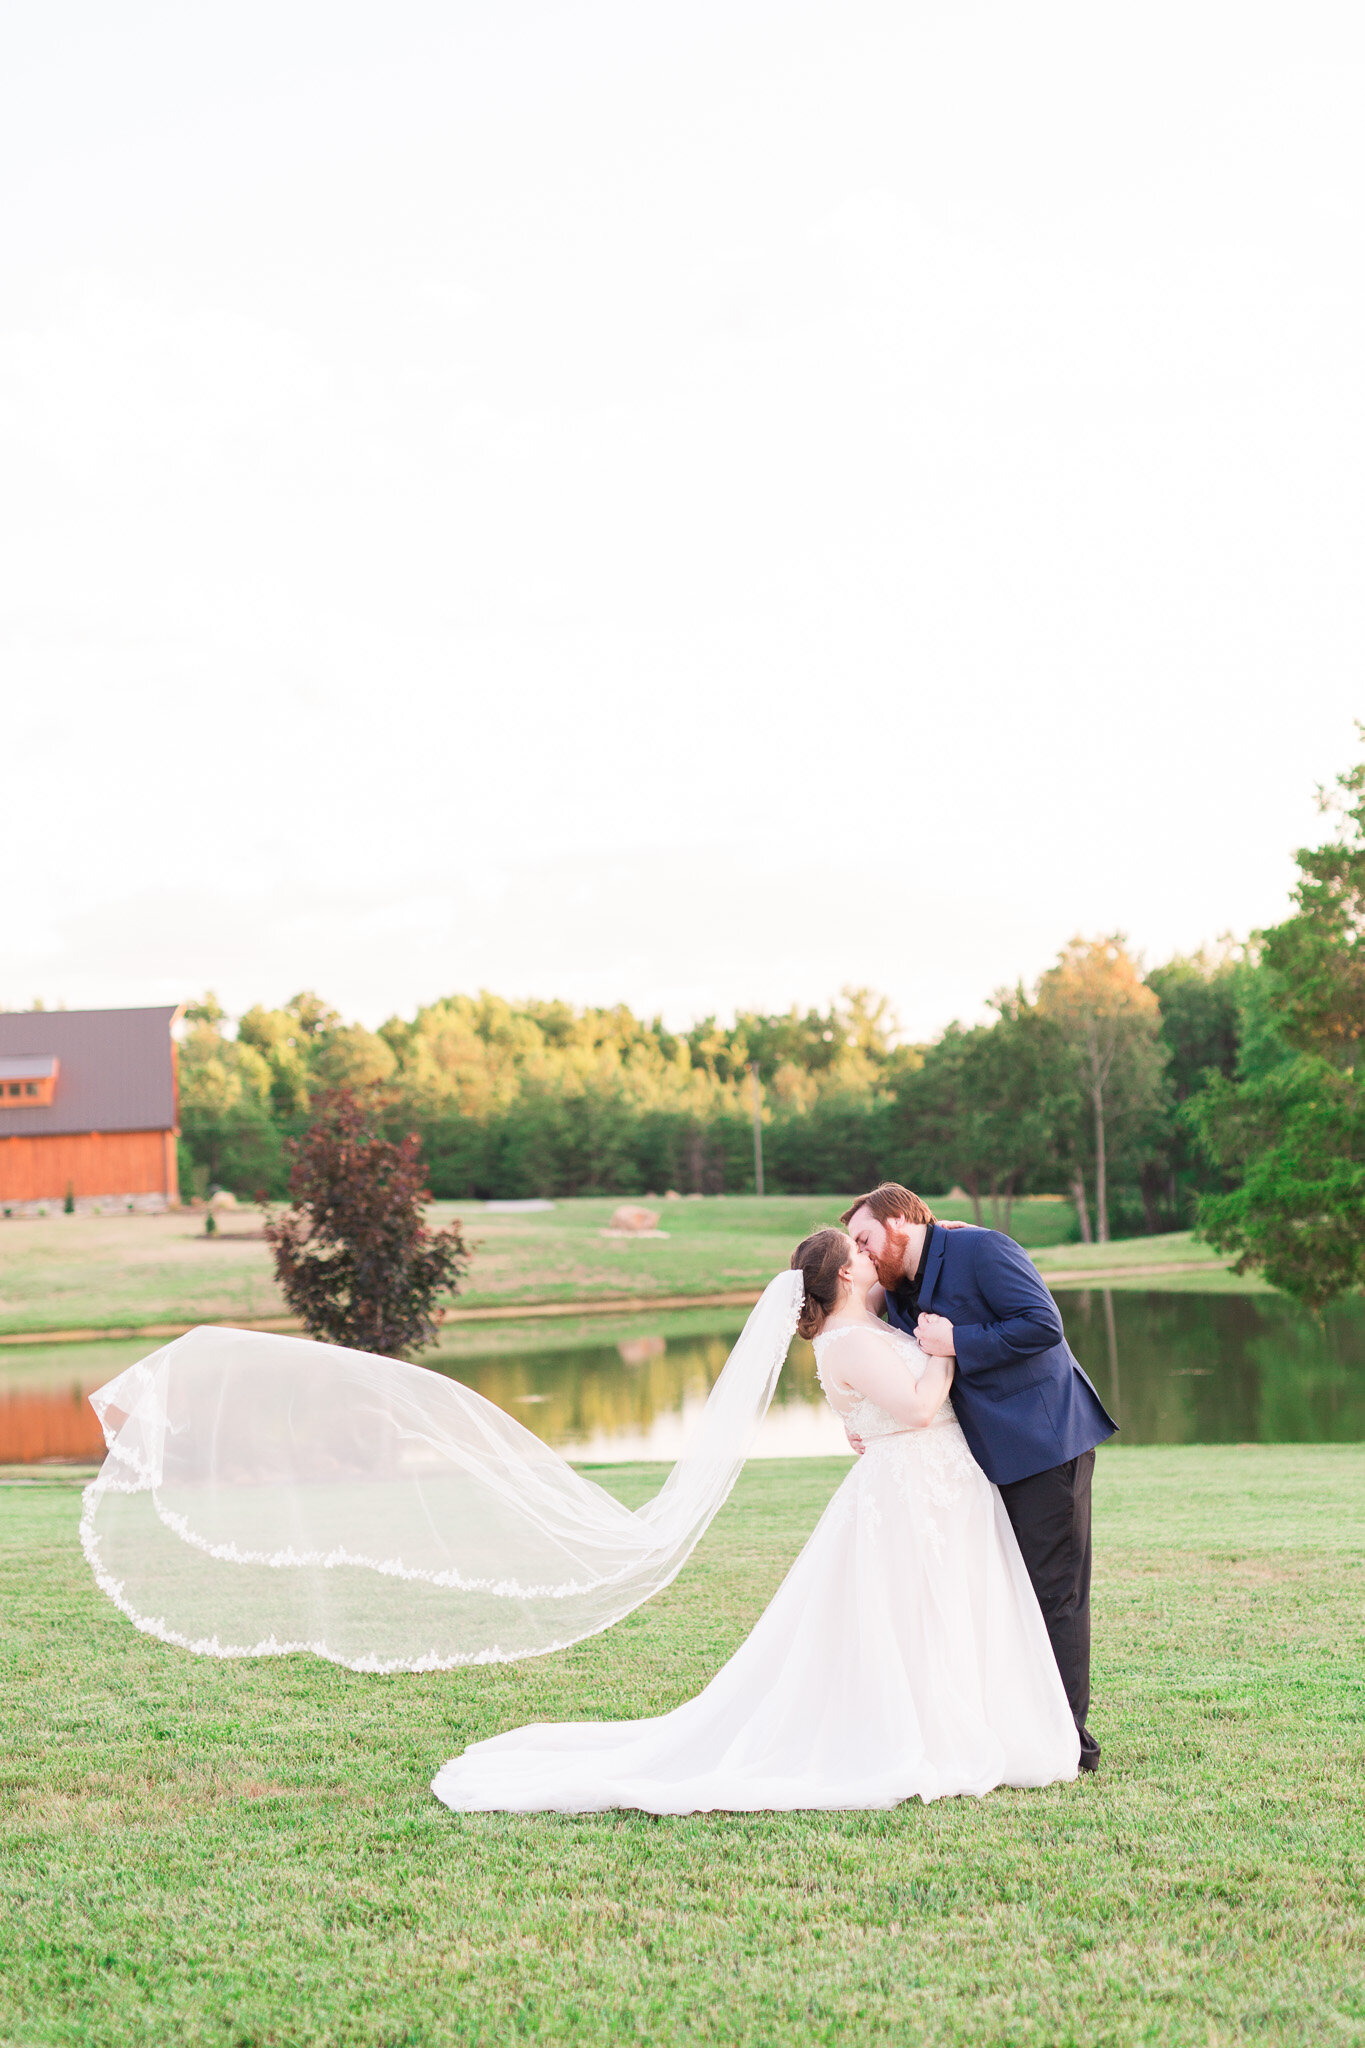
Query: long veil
[[264, 1494]]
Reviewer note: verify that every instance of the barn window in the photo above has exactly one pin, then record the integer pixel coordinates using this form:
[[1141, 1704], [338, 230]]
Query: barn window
[[27, 1083]]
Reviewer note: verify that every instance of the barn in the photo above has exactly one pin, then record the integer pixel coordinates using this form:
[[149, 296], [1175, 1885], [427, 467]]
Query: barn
[[87, 1110]]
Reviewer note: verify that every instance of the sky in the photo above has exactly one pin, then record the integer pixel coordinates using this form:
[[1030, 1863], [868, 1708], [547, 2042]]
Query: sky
[[692, 505]]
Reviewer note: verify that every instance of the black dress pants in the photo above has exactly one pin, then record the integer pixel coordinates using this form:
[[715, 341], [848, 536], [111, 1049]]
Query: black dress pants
[[1050, 1513]]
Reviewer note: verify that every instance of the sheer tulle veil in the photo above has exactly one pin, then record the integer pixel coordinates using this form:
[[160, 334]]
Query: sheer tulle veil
[[264, 1494]]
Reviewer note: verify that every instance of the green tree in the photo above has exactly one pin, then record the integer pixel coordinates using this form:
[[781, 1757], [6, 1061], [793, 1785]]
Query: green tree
[[276, 1037], [1201, 996], [228, 1137], [1317, 956], [983, 1107], [349, 1056], [1261, 1042], [1198, 994], [926, 1115], [1110, 1023], [1295, 1141], [1019, 1094], [1291, 1130]]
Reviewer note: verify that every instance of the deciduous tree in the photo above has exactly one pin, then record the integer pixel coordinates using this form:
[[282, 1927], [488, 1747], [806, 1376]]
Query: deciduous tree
[[227, 1135], [1292, 1130], [1018, 1095], [1317, 956], [1110, 1022], [1202, 997], [1296, 1141]]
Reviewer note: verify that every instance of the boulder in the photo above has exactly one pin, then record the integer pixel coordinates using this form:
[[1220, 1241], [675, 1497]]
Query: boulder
[[629, 1217]]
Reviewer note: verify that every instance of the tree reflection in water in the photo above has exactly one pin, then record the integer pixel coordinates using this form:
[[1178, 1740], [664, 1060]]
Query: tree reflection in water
[[1173, 1367], [1221, 1368], [638, 1397]]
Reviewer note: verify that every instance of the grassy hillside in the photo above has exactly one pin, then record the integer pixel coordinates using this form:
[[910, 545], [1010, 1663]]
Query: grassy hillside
[[78, 1272], [1175, 1260]]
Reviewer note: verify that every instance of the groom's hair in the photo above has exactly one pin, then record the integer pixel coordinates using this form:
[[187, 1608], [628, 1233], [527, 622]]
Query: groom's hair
[[891, 1203]]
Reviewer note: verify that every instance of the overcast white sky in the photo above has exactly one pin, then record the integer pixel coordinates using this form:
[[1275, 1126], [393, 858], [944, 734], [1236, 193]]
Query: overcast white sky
[[692, 504]]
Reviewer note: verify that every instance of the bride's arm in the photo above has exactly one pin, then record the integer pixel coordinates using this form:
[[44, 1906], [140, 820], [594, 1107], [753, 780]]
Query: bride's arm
[[870, 1365]]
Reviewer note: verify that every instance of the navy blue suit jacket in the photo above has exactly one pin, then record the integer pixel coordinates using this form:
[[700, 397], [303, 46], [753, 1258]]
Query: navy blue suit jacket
[[1023, 1402]]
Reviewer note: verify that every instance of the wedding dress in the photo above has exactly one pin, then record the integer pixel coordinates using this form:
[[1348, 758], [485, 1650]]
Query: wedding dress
[[904, 1655], [264, 1496]]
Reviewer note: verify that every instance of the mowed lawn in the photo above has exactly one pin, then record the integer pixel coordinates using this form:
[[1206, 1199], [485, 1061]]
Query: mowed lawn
[[108, 1272], [247, 1853]]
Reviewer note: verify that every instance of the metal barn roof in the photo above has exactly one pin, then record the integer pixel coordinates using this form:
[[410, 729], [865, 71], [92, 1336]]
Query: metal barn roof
[[14, 1069], [116, 1070]]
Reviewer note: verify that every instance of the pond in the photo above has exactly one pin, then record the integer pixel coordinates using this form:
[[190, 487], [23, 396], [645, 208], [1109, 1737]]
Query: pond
[[1173, 1367]]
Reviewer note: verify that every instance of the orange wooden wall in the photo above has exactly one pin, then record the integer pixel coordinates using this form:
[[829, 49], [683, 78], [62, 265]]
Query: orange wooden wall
[[38, 1169]]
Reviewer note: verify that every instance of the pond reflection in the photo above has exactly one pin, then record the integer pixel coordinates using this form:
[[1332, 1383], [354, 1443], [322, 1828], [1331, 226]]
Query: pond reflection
[[639, 1397], [1221, 1368], [1174, 1368]]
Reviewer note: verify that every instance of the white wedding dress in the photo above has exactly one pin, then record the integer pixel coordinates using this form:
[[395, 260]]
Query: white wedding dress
[[903, 1656]]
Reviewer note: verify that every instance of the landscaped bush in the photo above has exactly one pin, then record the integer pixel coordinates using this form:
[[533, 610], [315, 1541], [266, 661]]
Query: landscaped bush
[[354, 1256]]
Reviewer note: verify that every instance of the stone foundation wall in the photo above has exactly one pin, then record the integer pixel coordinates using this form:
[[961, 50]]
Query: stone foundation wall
[[91, 1205]]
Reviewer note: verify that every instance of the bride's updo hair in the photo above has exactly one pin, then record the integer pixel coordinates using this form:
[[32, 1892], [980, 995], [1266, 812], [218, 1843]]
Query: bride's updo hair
[[817, 1259]]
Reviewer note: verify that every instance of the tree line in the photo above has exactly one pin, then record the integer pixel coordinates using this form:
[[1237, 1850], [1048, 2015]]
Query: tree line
[[1221, 1088], [1076, 1087]]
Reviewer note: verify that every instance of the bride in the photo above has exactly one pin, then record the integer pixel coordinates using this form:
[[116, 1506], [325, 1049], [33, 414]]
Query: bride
[[264, 1496], [904, 1654]]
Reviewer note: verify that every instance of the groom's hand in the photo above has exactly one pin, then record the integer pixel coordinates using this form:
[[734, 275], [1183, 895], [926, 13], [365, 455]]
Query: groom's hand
[[855, 1442], [934, 1334]]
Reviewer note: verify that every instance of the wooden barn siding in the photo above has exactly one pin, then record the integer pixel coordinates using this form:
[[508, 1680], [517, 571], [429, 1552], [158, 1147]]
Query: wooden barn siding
[[37, 1169]]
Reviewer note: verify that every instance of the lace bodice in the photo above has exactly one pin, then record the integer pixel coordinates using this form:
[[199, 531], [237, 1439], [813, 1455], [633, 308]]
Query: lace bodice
[[855, 1410]]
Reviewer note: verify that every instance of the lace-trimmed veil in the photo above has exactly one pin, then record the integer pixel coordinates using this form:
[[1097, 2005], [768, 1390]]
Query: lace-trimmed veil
[[263, 1494]]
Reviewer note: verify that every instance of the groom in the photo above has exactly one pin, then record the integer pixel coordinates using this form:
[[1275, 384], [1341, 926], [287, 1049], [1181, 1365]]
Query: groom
[[1027, 1410]]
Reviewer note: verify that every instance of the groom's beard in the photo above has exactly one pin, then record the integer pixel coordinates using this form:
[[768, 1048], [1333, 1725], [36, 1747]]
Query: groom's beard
[[890, 1263]]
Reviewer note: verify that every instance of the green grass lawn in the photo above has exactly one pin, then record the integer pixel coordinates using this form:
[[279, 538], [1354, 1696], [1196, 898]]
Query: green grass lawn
[[100, 1272], [1127, 1263], [247, 1854], [106, 1272], [722, 1243]]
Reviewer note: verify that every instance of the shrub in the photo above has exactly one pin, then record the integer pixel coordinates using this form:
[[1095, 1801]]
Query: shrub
[[354, 1256]]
